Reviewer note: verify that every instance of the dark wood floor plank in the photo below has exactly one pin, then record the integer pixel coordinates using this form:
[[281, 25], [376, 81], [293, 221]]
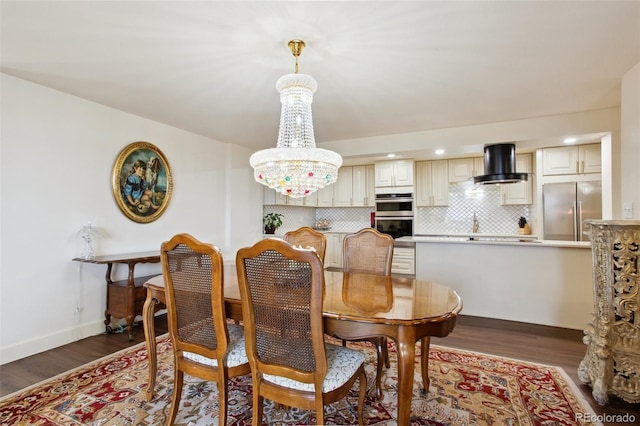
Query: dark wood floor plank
[[546, 345]]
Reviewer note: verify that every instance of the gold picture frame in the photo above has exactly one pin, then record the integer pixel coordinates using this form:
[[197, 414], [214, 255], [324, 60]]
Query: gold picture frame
[[142, 182]]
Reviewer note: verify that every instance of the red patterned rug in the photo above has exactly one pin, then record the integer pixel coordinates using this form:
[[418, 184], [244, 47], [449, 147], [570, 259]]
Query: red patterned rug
[[467, 388]]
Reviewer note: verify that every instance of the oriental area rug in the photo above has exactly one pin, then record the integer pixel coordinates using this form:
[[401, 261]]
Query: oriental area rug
[[467, 388]]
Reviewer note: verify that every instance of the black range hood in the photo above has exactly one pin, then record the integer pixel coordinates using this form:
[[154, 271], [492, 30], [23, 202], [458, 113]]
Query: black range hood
[[500, 165]]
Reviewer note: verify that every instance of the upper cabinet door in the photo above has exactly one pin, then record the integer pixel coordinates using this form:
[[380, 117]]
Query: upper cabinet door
[[363, 186], [560, 161], [384, 174], [521, 192], [371, 185], [478, 166], [440, 182], [359, 186], [343, 188], [460, 169], [311, 199], [394, 173], [325, 196], [571, 160], [403, 173], [432, 183], [423, 184], [590, 158], [464, 169]]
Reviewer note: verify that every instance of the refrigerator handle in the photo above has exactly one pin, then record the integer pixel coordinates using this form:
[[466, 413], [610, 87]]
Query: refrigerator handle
[[579, 224], [575, 221]]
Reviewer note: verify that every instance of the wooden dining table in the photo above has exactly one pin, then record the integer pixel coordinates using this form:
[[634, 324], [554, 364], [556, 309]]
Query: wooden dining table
[[356, 306]]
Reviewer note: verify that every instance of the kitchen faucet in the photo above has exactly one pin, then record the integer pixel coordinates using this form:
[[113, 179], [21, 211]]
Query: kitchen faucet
[[476, 223]]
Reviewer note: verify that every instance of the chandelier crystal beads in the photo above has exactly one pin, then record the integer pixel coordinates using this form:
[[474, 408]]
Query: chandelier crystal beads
[[296, 168]]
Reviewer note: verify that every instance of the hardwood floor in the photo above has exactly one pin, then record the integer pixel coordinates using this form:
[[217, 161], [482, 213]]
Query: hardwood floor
[[541, 344]]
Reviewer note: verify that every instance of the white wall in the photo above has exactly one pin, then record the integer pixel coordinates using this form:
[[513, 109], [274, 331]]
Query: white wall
[[57, 152], [630, 161]]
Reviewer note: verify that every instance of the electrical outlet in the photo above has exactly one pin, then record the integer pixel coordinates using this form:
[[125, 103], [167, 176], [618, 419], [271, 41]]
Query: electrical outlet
[[627, 210]]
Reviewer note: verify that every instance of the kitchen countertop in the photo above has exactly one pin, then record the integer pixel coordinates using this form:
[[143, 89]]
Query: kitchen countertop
[[479, 238], [515, 240]]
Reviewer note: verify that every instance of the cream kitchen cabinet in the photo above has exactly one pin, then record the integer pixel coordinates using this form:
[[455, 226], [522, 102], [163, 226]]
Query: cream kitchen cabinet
[[296, 201], [325, 197], [403, 261], [590, 158], [521, 192], [432, 183], [333, 253], [339, 193], [272, 197], [363, 186], [463, 169], [343, 188], [394, 173], [571, 160], [354, 188], [311, 200]]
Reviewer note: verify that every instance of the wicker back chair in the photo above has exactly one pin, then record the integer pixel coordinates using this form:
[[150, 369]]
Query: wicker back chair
[[282, 295], [204, 345], [371, 252], [306, 237], [367, 251]]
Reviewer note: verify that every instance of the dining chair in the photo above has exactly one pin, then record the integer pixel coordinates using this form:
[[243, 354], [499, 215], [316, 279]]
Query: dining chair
[[369, 251], [282, 288], [306, 237], [204, 344]]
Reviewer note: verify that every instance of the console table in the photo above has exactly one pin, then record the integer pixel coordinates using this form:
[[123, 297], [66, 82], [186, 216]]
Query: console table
[[125, 298], [612, 362]]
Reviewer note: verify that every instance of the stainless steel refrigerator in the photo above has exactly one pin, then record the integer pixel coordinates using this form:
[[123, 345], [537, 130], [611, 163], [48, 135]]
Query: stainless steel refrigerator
[[567, 205]]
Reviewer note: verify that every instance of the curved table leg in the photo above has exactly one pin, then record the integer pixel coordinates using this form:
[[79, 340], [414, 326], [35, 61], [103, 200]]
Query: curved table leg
[[150, 341], [406, 359], [424, 363]]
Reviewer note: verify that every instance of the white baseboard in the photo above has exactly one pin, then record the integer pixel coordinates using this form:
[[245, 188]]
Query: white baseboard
[[53, 340]]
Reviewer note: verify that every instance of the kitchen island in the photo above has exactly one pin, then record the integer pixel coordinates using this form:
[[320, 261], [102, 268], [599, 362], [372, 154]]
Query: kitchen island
[[534, 281]]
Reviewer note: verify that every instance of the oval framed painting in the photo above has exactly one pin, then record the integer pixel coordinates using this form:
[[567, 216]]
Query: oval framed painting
[[141, 182]]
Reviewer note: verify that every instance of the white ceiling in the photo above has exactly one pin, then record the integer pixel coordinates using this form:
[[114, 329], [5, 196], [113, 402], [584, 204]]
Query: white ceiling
[[382, 67]]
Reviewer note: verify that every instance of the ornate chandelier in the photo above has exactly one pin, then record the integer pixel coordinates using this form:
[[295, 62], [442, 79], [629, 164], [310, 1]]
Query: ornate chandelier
[[296, 167]]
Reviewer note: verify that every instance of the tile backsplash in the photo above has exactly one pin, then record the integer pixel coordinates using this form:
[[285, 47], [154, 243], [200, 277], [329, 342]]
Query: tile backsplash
[[347, 219], [465, 199]]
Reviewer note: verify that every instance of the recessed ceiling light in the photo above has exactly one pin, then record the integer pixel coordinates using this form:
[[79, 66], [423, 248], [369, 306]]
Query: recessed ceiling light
[[439, 151], [390, 155], [570, 140]]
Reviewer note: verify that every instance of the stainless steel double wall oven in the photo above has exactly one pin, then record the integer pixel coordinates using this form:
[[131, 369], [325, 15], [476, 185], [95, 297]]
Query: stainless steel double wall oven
[[394, 214]]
